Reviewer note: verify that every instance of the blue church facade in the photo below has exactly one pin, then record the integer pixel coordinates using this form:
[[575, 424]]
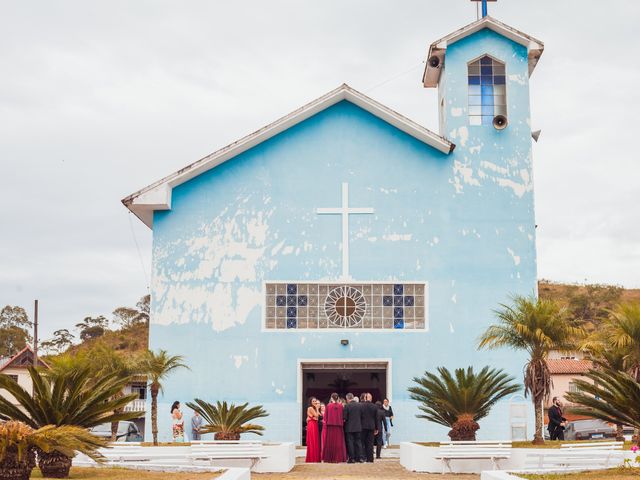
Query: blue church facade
[[344, 247]]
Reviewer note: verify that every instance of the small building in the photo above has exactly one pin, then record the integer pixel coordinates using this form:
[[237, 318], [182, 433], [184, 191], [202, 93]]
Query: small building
[[137, 385], [565, 370], [17, 368]]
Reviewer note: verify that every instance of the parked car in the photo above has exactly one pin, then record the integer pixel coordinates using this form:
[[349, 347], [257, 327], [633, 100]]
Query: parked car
[[127, 432], [591, 429]]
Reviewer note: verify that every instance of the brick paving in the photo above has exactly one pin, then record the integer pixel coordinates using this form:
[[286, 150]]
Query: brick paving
[[387, 469]]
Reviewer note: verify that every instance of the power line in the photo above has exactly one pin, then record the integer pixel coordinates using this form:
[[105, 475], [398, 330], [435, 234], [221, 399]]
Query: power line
[[398, 75]]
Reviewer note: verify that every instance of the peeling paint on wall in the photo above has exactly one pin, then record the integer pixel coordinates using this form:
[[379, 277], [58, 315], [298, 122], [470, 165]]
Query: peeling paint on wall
[[516, 258]]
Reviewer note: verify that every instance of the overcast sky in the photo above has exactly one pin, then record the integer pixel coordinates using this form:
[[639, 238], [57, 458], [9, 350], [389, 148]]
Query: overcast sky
[[100, 98]]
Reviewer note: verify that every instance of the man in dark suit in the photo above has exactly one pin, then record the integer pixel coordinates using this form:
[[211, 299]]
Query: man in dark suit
[[369, 411], [556, 420], [353, 429]]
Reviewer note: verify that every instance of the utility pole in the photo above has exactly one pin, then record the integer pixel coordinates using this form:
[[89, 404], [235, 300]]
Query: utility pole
[[35, 334]]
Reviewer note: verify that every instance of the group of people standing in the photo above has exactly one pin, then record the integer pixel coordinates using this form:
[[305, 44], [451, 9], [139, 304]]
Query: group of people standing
[[177, 424], [347, 430]]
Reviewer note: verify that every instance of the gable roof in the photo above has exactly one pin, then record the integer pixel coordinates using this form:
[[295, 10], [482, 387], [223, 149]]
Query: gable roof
[[569, 366], [22, 359], [157, 196], [438, 48]]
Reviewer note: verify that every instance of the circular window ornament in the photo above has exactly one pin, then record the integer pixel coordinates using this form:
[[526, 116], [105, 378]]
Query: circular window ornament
[[345, 307]]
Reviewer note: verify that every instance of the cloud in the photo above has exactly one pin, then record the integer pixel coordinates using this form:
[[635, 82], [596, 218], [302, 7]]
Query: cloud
[[101, 98]]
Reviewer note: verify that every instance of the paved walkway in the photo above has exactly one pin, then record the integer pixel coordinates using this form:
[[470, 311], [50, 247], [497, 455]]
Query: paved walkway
[[385, 469]]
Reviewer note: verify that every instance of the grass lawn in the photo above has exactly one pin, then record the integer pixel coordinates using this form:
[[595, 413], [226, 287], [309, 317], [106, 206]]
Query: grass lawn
[[612, 474], [547, 444], [126, 474]]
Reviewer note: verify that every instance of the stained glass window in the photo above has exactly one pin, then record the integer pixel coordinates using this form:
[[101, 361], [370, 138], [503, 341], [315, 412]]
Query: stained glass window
[[400, 306], [487, 90]]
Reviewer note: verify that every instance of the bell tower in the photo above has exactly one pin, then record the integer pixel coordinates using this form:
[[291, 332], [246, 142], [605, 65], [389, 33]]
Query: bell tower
[[482, 74]]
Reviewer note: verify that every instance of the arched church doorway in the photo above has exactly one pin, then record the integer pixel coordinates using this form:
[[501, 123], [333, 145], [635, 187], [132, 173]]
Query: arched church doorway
[[321, 379]]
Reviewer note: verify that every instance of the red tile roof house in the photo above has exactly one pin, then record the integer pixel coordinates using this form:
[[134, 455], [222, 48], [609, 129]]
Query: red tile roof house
[[565, 369], [16, 367]]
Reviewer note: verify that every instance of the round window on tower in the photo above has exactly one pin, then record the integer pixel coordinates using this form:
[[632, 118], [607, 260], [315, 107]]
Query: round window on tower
[[345, 307]]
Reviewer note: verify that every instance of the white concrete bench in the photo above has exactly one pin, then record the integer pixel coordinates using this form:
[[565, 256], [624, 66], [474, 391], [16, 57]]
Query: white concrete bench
[[573, 459], [226, 450], [592, 446], [478, 450]]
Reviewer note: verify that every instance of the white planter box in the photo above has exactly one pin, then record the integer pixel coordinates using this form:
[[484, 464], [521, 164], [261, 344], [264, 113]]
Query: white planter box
[[281, 458], [498, 475], [418, 458]]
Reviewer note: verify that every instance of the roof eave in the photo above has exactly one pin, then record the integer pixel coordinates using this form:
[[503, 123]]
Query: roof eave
[[157, 196], [535, 47]]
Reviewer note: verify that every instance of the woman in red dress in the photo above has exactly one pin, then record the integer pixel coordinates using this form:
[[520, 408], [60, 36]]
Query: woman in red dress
[[334, 450], [313, 435]]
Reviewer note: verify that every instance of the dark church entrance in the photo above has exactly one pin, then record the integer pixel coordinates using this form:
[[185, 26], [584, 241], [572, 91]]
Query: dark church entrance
[[320, 380]]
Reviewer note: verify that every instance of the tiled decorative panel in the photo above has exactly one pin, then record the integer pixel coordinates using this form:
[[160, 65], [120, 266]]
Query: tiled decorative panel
[[338, 306]]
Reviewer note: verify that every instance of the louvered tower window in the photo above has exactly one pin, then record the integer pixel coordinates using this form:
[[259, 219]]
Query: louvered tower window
[[487, 90]]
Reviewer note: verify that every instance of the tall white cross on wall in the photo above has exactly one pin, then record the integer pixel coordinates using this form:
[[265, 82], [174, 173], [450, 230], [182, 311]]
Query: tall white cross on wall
[[345, 211]]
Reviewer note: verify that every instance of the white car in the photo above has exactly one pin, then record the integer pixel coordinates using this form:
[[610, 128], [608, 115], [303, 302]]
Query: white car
[[127, 432]]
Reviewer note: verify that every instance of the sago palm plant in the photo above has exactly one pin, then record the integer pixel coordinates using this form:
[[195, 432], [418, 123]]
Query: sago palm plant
[[536, 326], [610, 396], [75, 399], [606, 358], [228, 422], [19, 444], [101, 360], [157, 367], [458, 401]]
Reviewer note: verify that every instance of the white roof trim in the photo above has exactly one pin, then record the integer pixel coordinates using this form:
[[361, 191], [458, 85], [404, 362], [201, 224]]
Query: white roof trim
[[534, 46], [157, 196]]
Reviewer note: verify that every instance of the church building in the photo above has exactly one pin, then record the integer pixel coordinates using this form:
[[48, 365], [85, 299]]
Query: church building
[[346, 248]]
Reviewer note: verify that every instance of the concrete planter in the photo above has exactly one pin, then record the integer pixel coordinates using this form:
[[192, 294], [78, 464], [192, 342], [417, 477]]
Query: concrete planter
[[281, 458], [418, 458]]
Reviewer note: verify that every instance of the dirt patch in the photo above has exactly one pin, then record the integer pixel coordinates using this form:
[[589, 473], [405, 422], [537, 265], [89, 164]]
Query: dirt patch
[[387, 469], [126, 474]]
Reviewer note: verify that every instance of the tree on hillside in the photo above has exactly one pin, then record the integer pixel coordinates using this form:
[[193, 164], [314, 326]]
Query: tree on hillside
[[157, 367], [92, 327], [62, 339], [128, 316], [101, 360], [14, 330], [589, 306], [536, 326], [107, 362]]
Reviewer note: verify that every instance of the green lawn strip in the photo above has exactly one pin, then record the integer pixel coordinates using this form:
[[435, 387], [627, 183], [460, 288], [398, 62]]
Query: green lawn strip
[[611, 474], [547, 444]]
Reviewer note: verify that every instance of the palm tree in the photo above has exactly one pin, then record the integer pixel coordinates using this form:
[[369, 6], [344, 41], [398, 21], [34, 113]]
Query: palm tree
[[613, 397], [19, 444], [615, 347], [458, 401], [157, 367], [621, 331], [74, 399], [228, 422], [605, 358], [536, 326]]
